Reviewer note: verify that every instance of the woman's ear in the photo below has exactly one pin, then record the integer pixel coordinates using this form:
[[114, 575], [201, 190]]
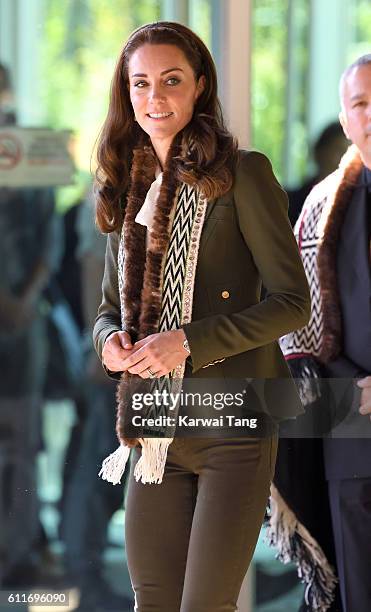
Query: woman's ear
[[200, 85]]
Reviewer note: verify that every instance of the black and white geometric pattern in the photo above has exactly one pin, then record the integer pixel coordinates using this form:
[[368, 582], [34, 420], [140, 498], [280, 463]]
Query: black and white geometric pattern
[[175, 265], [174, 282], [308, 340]]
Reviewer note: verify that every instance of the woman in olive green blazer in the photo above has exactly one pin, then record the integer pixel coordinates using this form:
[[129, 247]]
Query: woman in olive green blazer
[[182, 301], [246, 242]]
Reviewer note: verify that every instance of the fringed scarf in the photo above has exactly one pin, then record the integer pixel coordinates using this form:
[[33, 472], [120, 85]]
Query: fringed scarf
[[296, 545], [317, 232], [156, 285]]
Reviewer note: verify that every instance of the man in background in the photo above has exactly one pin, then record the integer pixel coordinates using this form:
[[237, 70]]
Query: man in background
[[333, 233]]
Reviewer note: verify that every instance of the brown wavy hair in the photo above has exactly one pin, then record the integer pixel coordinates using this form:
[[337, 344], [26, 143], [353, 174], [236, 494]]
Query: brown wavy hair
[[212, 150]]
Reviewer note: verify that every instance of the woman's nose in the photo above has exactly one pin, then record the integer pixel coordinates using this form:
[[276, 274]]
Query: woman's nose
[[157, 94]]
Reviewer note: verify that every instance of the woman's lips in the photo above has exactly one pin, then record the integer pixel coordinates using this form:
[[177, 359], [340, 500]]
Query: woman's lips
[[159, 116]]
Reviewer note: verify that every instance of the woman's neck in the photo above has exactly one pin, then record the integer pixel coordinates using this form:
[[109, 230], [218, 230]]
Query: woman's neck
[[161, 148]]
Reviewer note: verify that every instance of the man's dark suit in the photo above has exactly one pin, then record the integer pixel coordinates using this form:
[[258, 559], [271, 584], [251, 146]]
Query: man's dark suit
[[348, 460]]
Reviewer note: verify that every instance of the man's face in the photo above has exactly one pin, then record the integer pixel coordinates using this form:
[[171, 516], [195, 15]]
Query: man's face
[[355, 116]]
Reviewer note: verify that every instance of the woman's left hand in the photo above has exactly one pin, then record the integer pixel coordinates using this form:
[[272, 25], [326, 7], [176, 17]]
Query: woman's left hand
[[365, 384], [158, 354]]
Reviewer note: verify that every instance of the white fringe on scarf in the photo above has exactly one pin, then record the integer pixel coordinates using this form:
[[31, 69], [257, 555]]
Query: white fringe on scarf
[[114, 465], [294, 543], [150, 467]]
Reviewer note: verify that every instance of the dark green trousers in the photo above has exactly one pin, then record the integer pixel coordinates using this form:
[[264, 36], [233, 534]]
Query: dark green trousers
[[190, 540]]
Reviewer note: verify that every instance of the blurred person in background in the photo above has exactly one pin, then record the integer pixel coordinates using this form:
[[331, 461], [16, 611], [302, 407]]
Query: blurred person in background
[[7, 112], [327, 151], [30, 248], [194, 228], [316, 478], [89, 503], [66, 365]]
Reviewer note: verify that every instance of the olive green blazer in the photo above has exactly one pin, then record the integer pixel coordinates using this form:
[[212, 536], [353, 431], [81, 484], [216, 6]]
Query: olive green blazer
[[246, 242]]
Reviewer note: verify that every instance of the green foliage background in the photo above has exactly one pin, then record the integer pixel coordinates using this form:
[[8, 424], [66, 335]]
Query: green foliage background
[[361, 26], [269, 36], [269, 86], [79, 47], [81, 39]]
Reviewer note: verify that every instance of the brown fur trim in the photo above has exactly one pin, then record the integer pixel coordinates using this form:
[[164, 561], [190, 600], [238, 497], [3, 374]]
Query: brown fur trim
[[134, 235], [160, 235], [142, 266], [327, 257]]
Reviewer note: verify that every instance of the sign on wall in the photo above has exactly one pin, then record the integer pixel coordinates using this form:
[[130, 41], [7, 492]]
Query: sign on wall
[[34, 157]]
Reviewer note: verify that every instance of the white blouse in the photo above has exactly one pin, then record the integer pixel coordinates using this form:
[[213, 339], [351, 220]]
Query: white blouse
[[146, 214]]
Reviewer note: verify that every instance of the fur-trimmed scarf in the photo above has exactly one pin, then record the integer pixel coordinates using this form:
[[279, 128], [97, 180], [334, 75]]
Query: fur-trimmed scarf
[[317, 231], [155, 295]]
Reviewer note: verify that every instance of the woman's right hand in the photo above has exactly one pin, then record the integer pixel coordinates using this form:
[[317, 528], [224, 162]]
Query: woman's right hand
[[116, 348]]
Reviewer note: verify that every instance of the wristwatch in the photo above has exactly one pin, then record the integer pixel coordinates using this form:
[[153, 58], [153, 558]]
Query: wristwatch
[[186, 346]]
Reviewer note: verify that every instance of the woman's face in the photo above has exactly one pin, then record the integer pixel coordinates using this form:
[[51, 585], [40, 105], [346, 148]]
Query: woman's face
[[163, 91]]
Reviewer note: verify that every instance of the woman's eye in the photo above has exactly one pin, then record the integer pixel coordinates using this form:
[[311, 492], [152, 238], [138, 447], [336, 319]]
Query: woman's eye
[[140, 84], [172, 81]]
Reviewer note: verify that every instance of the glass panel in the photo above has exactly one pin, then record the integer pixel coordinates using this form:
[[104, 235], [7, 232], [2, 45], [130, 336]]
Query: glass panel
[[80, 42], [268, 78], [57, 407], [361, 29], [296, 158], [200, 19]]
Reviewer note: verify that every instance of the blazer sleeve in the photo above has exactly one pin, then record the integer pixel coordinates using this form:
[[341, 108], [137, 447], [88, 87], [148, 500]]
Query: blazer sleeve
[[109, 318], [261, 206]]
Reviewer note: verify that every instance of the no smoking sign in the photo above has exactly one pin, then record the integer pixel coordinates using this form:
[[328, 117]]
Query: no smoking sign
[[35, 157], [10, 151]]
